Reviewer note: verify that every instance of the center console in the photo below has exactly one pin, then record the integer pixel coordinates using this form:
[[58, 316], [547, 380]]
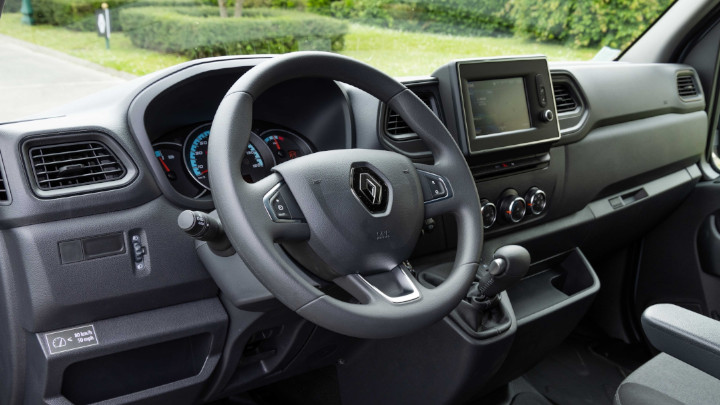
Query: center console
[[502, 113]]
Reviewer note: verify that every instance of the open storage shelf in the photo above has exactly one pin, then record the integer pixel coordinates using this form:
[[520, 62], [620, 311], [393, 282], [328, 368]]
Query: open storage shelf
[[552, 283], [122, 373]]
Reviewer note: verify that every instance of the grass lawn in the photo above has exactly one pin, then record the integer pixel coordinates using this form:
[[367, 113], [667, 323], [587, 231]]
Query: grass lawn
[[123, 55], [395, 52], [411, 53]]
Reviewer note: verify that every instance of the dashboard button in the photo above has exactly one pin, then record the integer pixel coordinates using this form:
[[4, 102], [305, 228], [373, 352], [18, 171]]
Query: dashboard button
[[433, 186], [279, 206], [536, 200], [513, 208], [488, 212], [437, 187], [541, 90], [547, 116]]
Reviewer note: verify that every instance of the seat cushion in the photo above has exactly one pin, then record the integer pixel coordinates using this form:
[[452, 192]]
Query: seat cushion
[[665, 380]]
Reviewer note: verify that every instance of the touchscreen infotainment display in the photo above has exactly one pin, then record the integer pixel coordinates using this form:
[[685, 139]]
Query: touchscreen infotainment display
[[498, 105]]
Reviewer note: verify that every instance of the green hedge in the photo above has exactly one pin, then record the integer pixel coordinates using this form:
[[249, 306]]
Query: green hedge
[[487, 15], [613, 23], [576, 22], [80, 14], [198, 32], [279, 4], [445, 16], [77, 14], [12, 6]]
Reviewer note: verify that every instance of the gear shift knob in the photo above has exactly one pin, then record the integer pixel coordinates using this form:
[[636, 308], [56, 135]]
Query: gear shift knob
[[510, 263]]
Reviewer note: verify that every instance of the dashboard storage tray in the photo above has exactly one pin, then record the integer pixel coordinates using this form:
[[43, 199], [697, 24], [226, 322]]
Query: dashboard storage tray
[[159, 356], [118, 374]]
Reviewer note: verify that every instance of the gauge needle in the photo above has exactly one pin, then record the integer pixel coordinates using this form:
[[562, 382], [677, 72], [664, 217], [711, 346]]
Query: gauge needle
[[162, 161], [203, 172], [277, 144]]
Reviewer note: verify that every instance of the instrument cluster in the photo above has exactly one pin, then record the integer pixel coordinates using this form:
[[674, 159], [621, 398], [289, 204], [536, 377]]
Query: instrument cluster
[[183, 155]]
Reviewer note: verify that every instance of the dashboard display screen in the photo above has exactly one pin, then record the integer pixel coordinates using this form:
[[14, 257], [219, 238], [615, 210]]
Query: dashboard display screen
[[498, 105]]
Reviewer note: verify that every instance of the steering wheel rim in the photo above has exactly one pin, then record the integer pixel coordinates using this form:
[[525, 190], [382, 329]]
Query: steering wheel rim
[[257, 237]]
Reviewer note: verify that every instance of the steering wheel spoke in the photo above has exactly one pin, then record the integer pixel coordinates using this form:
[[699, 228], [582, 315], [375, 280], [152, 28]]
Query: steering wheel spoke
[[391, 287]]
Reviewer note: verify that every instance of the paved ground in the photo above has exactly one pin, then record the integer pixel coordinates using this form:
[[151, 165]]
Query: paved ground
[[33, 79]]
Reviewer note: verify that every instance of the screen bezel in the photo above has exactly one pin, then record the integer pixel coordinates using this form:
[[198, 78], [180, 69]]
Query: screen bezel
[[535, 73]]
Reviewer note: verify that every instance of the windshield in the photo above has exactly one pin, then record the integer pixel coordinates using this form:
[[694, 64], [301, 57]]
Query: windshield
[[54, 51]]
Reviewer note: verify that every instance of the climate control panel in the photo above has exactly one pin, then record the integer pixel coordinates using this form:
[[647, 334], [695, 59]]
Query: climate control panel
[[512, 207]]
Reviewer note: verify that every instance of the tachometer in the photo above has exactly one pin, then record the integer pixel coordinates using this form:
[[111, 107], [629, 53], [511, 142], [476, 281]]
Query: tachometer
[[285, 145], [255, 164]]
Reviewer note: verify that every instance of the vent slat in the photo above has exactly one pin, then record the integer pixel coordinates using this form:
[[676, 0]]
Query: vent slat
[[77, 179], [4, 194], [395, 125], [64, 153], [686, 86], [74, 164], [76, 160], [565, 100]]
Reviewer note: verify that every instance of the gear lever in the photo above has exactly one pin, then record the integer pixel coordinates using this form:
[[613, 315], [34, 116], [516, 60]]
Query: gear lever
[[510, 263], [480, 311]]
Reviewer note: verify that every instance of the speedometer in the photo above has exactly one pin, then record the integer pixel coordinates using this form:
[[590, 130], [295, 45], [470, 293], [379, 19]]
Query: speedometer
[[256, 162]]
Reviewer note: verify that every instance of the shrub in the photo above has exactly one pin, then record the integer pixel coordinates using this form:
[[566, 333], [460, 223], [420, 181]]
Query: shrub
[[488, 15], [612, 23], [542, 20], [362, 10], [77, 14], [12, 6], [319, 6], [198, 32], [445, 16], [80, 14]]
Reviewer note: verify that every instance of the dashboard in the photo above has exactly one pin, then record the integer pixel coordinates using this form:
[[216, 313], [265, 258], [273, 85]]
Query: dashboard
[[560, 163]]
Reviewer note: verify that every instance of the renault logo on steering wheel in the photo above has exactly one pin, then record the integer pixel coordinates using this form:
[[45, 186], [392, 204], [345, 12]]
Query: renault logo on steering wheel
[[370, 189]]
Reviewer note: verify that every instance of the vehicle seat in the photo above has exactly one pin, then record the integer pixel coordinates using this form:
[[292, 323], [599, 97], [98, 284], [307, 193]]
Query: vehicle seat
[[688, 370]]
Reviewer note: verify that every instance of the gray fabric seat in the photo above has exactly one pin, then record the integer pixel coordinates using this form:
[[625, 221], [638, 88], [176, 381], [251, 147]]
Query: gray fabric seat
[[688, 369], [665, 380]]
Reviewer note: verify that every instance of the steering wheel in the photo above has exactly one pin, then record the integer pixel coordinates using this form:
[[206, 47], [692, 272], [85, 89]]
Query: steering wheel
[[350, 217]]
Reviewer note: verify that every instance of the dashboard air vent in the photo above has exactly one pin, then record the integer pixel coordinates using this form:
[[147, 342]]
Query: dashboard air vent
[[4, 192], [65, 165], [396, 128], [565, 100], [686, 86]]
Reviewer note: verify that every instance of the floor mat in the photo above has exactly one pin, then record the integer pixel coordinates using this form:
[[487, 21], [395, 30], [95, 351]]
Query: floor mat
[[580, 372], [317, 387], [529, 398]]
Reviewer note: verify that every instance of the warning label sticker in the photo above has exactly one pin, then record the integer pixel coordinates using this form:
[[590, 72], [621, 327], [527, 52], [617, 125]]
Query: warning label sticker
[[71, 339]]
